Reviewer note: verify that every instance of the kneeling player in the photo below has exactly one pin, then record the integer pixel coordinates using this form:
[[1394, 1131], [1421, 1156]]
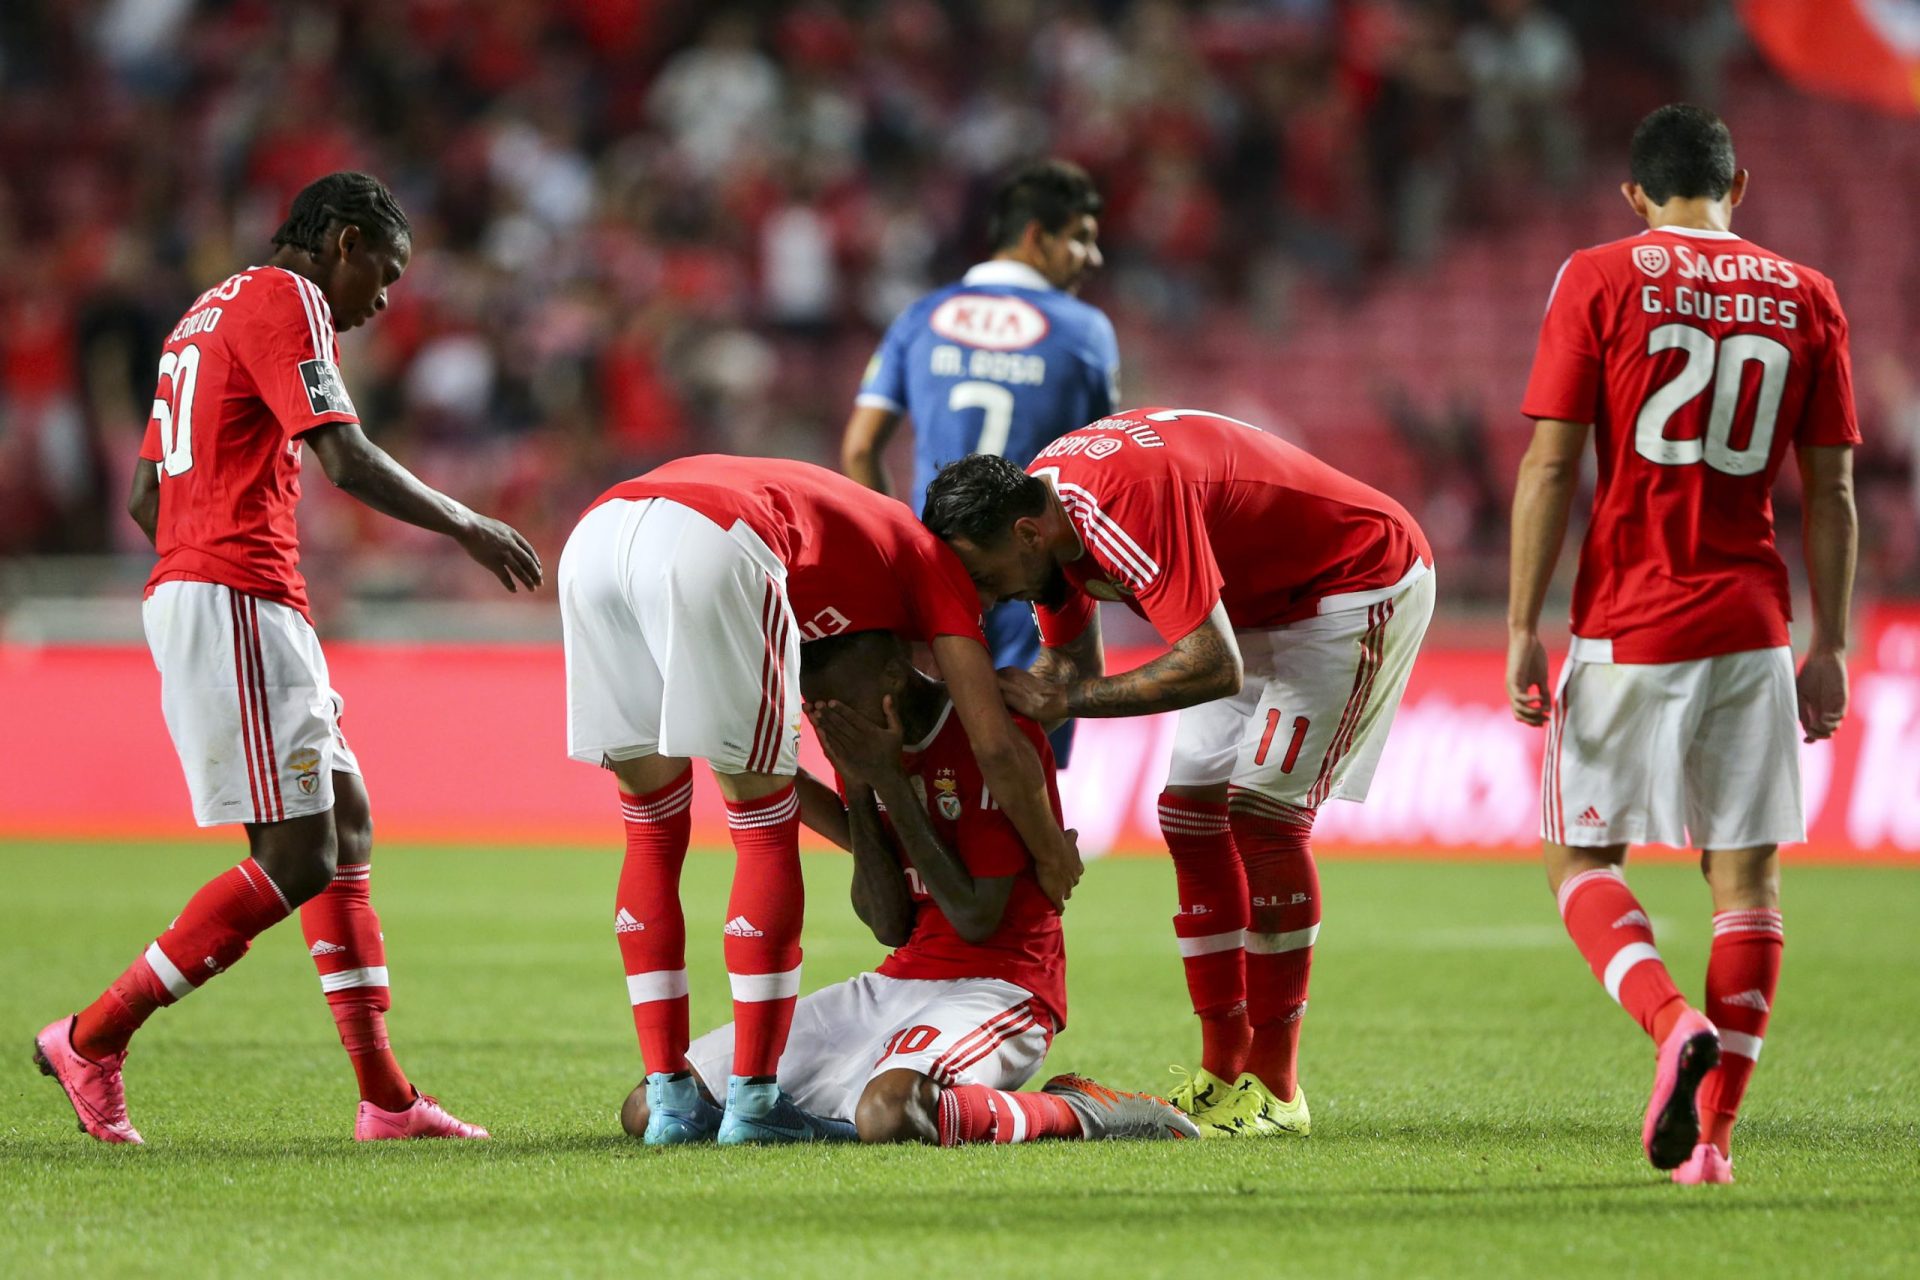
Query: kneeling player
[[932, 1045]]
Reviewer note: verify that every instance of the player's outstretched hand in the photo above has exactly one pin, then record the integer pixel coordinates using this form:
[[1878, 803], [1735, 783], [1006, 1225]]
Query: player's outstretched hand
[[500, 549], [861, 751], [1527, 690], [1028, 695], [1822, 687]]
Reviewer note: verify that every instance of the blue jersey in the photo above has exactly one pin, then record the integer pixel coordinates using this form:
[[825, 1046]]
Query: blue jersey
[[1001, 362]]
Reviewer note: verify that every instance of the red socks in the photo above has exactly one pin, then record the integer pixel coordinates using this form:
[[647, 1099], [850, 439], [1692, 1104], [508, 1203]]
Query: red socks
[[1743, 971], [343, 937], [762, 942], [210, 935], [1211, 927], [1284, 893], [975, 1113], [1613, 933], [648, 922]]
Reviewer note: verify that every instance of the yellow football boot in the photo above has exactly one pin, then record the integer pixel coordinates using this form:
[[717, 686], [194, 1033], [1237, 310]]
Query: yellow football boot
[[1201, 1094], [1253, 1111]]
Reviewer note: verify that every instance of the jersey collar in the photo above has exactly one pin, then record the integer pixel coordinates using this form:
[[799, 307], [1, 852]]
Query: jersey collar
[[1703, 233], [916, 748], [1002, 271]]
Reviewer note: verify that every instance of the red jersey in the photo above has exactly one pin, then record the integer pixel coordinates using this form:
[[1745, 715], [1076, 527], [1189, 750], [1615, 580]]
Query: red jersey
[[856, 560], [1028, 948], [1700, 359], [1180, 509], [251, 366]]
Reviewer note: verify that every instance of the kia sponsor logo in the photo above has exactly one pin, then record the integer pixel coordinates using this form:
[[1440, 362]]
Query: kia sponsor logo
[[990, 321]]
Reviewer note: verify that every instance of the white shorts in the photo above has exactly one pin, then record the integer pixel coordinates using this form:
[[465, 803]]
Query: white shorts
[[244, 689], [1311, 720], [957, 1031], [1703, 754], [679, 641]]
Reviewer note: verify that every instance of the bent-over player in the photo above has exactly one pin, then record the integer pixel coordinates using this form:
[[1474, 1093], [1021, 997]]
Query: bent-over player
[[934, 1045], [1292, 599], [684, 597]]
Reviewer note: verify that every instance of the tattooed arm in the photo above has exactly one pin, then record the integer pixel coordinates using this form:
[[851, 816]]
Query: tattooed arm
[[1202, 666]]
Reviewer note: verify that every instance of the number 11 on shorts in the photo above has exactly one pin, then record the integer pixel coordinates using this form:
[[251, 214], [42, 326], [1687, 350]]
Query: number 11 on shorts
[[1293, 746]]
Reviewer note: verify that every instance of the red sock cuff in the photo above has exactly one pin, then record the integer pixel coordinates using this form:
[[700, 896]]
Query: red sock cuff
[[764, 811], [661, 804]]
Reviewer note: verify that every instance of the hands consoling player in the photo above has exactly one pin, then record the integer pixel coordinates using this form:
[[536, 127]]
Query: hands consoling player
[[248, 378], [1697, 360], [932, 1046], [685, 595], [1293, 599]]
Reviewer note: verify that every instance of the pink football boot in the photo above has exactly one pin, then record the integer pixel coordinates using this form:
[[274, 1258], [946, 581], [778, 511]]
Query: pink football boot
[[1672, 1127], [1705, 1165], [426, 1118], [98, 1094]]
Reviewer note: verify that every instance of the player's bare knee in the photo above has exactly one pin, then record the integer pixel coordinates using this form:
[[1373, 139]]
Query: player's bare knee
[[899, 1106], [1742, 879], [299, 855]]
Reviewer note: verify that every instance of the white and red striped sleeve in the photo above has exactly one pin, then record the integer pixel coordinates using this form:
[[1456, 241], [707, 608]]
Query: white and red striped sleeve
[[1151, 540], [287, 348]]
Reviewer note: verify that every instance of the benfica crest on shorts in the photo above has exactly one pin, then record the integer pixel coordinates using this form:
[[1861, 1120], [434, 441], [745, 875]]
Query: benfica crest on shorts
[[947, 794], [304, 764]]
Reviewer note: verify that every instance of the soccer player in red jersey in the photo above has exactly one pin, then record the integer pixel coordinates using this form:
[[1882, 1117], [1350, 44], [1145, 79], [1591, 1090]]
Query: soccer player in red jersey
[[1696, 360], [934, 1044], [685, 595], [1293, 599], [247, 378]]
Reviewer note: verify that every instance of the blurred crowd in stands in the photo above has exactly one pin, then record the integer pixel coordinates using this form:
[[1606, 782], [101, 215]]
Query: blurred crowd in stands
[[650, 227]]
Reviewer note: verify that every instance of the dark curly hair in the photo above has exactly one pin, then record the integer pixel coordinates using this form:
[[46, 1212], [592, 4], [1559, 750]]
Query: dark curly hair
[[342, 200], [978, 498], [1051, 192]]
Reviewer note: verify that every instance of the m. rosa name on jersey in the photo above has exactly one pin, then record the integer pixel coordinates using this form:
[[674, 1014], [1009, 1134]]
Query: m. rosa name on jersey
[[946, 361], [990, 321], [1727, 308]]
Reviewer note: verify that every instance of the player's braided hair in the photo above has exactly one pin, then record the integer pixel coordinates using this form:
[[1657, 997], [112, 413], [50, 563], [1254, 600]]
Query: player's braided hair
[[1682, 150], [340, 200], [1051, 192], [978, 498]]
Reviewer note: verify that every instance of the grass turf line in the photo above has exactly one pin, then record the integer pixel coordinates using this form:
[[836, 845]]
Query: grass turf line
[[1476, 1097]]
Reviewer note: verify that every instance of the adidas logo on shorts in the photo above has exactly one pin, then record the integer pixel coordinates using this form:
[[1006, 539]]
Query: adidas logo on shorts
[[1591, 818], [624, 922], [741, 927]]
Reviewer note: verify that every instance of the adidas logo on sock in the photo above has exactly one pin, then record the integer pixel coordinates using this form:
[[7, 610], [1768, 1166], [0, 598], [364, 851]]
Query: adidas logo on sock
[[1756, 1000], [1633, 919], [1591, 818], [741, 927], [623, 922], [325, 948]]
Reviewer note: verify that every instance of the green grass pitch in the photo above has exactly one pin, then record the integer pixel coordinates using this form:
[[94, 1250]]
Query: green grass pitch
[[1476, 1097]]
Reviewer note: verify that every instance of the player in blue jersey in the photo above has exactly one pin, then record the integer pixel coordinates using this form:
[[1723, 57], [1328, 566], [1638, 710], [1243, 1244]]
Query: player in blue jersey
[[1002, 362]]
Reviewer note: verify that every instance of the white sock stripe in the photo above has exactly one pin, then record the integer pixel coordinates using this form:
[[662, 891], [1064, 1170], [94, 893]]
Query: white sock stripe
[[1571, 884], [755, 987], [764, 817], [1740, 1044], [656, 814], [361, 872], [1273, 944], [660, 984], [169, 973], [1210, 944], [665, 807], [1259, 805], [346, 979], [1194, 823], [1018, 1115], [1623, 960], [1756, 921]]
